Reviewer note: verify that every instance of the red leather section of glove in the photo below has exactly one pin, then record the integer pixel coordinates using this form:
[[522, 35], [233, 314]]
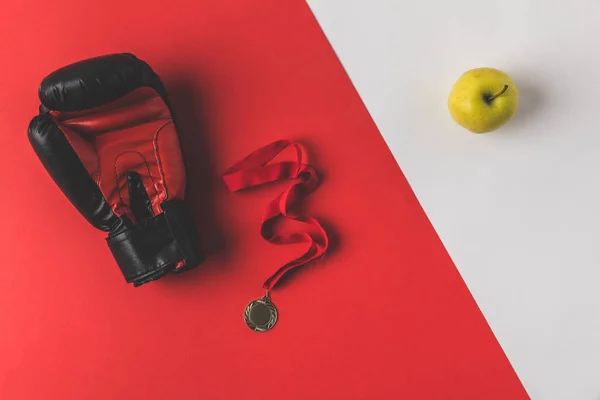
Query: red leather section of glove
[[85, 150], [133, 134], [139, 106]]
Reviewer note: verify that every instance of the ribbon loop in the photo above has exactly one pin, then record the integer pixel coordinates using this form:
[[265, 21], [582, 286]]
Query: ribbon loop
[[254, 170]]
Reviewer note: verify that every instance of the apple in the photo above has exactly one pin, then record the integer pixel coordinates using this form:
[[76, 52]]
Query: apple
[[483, 99]]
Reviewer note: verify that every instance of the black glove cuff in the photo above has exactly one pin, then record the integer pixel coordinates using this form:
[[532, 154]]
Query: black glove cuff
[[96, 81], [152, 249]]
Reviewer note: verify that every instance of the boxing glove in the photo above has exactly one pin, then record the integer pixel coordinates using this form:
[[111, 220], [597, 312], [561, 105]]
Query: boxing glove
[[106, 136]]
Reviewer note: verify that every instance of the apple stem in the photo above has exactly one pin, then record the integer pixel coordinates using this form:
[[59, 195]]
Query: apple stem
[[500, 93]]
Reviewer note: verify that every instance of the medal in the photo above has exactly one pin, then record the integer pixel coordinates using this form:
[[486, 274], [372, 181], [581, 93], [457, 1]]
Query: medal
[[254, 170], [261, 314]]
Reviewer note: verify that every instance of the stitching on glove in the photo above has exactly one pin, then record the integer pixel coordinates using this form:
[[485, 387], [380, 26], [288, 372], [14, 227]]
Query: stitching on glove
[[121, 128], [103, 111], [158, 160]]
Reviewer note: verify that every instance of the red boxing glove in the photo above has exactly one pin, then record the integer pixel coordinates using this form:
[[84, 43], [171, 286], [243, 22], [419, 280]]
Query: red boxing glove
[[106, 136]]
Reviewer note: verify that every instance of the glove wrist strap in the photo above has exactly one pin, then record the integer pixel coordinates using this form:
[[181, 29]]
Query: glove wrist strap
[[159, 245]]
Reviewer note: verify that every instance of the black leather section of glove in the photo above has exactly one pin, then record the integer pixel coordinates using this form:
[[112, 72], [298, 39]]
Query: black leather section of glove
[[139, 202], [96, 81], [184, 231], [153, 248], [67, 170]]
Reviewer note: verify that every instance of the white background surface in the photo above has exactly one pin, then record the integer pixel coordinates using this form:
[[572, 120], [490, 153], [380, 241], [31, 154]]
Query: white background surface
[[518, 209]]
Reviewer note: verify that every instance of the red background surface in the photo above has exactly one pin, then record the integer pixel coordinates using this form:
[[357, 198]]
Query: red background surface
[[384, 315]]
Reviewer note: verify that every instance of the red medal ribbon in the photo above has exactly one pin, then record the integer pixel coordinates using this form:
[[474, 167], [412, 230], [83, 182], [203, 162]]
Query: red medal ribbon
[[254, 170]]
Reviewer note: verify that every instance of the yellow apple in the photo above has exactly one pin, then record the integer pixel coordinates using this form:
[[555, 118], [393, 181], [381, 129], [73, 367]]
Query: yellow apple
[[483, 99]]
